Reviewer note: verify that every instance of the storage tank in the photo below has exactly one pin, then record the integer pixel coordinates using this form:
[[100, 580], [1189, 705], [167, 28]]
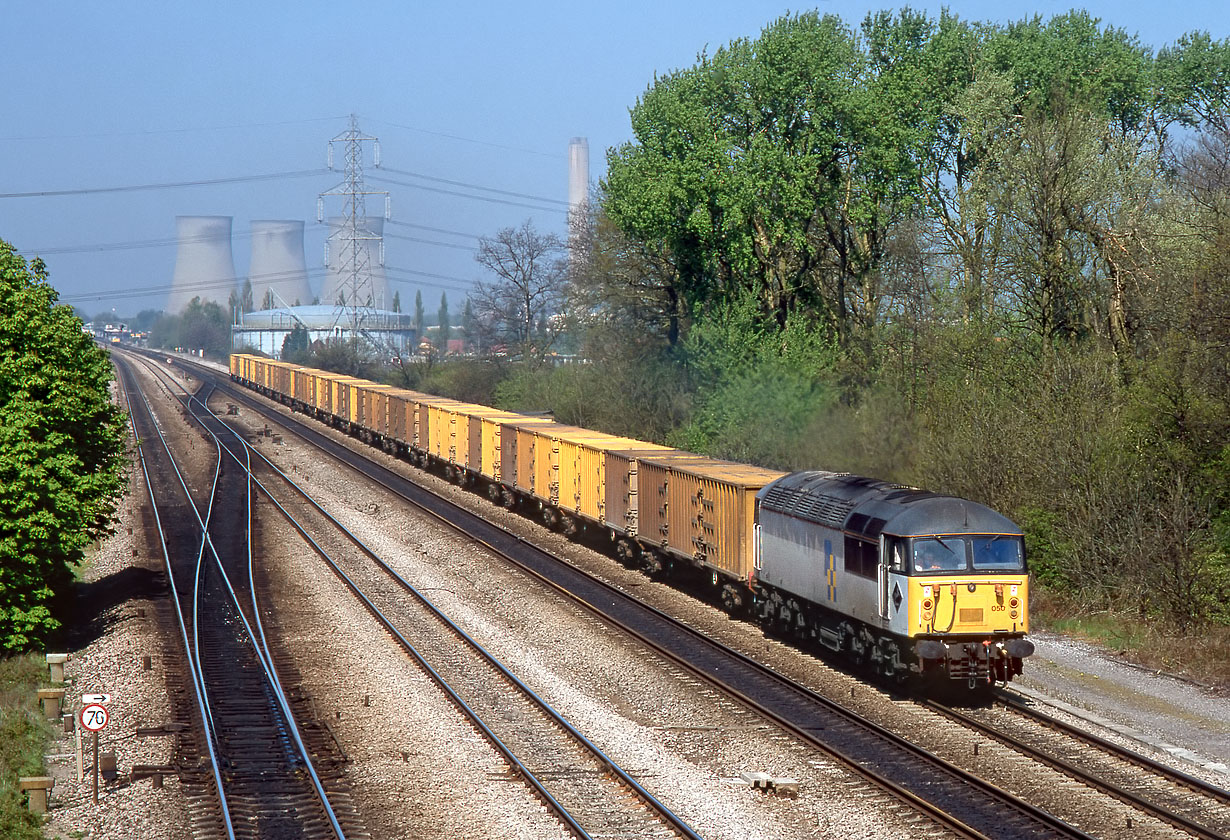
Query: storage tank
[[278, 263], [339, 268], [204, 264]]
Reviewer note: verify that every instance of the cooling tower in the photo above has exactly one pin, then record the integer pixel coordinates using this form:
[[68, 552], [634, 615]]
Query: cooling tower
[[578, 173], [204, 266], [341, 259], [278, 264]]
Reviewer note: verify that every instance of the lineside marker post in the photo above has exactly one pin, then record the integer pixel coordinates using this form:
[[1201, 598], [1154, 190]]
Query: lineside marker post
[[94, 717]]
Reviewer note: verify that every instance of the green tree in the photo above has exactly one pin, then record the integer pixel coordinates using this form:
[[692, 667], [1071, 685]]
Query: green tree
[[297, 345], [467, 322], [397, 301], [442, 320], [61, 449], [245, 298], [418, 314]]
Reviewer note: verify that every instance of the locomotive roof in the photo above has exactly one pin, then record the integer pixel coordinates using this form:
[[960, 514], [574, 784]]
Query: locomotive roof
[[869, 506]]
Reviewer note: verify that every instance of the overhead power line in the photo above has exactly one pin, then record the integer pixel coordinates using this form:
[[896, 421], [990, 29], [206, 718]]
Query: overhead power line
[[154, 131], [130, 245], [468, 139], [171, 185], [207, 285], [432, 229], [467, 285], [488, 199], [474, 186], [469, 248]]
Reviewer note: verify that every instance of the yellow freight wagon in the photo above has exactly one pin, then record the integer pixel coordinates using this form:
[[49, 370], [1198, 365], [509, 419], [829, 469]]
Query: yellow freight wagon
[[369, 407], [441, 428], [403, 416], [518, 441], [481, 446], [491, 434], [582, 466], [652, 510], [712, 511], [623, 485]]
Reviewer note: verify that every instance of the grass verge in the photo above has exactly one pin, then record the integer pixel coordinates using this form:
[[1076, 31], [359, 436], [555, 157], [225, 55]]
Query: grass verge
[[24, 735], [1200, 654]]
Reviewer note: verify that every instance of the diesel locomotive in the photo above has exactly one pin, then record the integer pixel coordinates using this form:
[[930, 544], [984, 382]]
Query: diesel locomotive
[[903, 581]]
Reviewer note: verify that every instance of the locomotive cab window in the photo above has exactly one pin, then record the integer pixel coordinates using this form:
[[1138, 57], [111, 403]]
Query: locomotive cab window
[[998, 552], [895, 553], [939, 554]]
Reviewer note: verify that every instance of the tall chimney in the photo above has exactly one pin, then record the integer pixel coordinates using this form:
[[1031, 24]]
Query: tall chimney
[[578, 173]]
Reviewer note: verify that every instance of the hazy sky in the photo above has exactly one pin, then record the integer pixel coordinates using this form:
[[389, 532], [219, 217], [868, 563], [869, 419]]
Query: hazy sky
[[122, 94]]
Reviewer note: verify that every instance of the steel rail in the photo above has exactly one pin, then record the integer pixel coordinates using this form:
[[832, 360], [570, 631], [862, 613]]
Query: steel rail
[[673, 820], [264, 657], [206, 722], [1084, 776], [1169, 773], [407, 491]]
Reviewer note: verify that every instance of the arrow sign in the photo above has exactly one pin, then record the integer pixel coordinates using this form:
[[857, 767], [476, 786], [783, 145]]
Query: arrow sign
[[92, 699]]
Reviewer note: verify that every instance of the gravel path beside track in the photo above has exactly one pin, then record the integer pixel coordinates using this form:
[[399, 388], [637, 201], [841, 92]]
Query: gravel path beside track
[[121, 608], [1173, 717]]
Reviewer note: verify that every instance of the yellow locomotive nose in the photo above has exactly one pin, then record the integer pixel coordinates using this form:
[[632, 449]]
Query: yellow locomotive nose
[[990, 605]]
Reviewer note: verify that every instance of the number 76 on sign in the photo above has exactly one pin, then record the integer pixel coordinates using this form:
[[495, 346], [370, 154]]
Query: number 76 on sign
[[94, 717]]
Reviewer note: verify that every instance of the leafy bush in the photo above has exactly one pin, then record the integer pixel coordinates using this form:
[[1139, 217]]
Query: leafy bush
[[24, 734]]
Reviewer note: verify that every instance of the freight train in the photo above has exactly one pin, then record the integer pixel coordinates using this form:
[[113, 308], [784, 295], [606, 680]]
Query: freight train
[[902, 581]]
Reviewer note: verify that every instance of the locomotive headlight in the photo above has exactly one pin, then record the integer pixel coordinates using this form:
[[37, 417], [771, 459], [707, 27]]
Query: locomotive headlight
[[927, 604], [1012, 614], [1014, 603]]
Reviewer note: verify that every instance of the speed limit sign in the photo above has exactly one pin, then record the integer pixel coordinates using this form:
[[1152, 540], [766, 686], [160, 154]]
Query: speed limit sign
[[94, 717]]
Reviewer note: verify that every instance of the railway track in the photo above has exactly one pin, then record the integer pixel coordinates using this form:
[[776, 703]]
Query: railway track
[[591, 794], [260, 780], [1191, 805], [950, 797]]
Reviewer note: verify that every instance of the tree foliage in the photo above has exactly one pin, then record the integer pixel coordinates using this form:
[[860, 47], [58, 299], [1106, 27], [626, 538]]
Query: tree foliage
[[1007, 269], [201, 327], [519, 311], [61, 449]]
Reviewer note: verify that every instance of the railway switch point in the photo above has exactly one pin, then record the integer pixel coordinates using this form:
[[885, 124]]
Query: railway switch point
[[51, 698], [37, 789], [55, 664]]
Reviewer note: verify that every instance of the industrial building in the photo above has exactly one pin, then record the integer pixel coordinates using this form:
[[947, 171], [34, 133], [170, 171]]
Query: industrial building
[[265, 330]]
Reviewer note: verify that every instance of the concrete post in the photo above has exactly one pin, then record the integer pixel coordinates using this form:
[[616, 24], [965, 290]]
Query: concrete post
[[50, 698], [55, 664], [37, 788]]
